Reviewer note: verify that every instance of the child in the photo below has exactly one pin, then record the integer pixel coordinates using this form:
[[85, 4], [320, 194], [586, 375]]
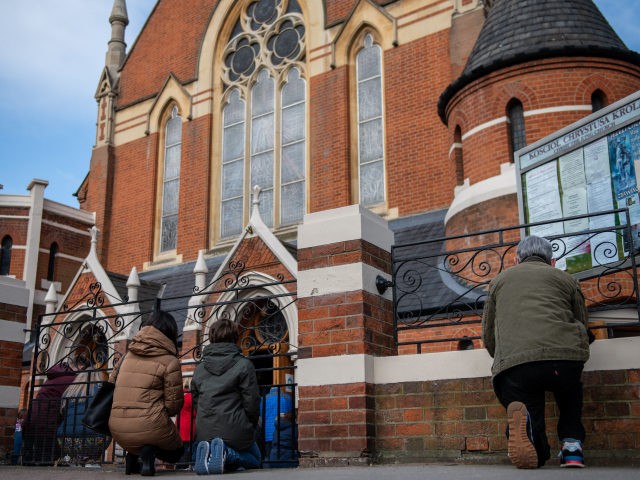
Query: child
[[284, 450], [17, 437]]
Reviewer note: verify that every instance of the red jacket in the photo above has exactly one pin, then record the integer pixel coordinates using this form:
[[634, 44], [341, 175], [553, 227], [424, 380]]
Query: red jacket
[[186, 420]]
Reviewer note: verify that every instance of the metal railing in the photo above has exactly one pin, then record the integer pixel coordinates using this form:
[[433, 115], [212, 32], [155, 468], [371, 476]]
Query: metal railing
[[439, 286], [89, 334]]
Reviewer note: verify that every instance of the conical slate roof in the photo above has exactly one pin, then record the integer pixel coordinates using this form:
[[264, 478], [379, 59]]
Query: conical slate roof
[[518, 31]]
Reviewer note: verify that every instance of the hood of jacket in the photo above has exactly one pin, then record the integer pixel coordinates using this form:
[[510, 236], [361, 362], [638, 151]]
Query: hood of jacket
[[220, 357], [151, 342]]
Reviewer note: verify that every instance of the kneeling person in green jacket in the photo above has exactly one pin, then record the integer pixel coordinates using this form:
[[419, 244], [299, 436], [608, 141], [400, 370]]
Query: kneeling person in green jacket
[[534, 325], [227, 400]]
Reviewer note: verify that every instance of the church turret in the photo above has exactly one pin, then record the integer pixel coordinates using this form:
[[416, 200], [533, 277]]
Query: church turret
[[117, 47], [536, 67]]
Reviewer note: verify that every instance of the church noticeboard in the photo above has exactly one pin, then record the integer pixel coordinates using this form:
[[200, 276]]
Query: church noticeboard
[[585, 168]]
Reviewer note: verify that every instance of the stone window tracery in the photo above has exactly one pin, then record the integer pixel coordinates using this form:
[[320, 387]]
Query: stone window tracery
[[264, 116]]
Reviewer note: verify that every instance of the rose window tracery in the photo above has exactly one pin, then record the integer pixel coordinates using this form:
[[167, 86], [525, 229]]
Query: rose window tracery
[[271, 33]]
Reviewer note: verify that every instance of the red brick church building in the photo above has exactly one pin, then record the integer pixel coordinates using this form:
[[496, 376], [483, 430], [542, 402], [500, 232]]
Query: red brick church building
[[365, 124]]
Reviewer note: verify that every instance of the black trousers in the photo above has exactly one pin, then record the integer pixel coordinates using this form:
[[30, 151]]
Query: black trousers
[[528, 383]]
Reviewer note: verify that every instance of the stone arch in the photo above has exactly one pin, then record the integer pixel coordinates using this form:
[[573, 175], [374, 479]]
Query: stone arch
[[172, 93], [365, 15], [79, 338], [264, 286]]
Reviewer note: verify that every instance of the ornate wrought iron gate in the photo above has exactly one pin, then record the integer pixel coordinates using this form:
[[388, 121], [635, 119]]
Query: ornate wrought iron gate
[[76, 348]]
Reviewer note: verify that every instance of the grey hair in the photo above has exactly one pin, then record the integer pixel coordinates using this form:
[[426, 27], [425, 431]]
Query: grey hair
[[533, 246]]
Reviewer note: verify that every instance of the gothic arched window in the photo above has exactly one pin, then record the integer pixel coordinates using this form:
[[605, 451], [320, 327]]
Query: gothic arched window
[[457, 155], [598, 100], [5, 255], [264, 116], [171, 182], [371, 171], [515, 121], [51, 267]]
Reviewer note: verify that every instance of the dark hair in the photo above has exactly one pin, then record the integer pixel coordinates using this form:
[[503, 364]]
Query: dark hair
[[224, 331], [164, 322]]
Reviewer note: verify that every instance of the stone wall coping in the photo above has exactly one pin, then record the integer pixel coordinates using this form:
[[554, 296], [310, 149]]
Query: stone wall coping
[[610, 354]]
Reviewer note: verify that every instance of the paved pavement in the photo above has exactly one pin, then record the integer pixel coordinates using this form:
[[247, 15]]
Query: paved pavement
[[384, 472]]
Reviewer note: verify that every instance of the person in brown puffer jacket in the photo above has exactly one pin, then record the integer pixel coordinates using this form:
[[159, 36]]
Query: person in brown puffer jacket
[[148, 393]]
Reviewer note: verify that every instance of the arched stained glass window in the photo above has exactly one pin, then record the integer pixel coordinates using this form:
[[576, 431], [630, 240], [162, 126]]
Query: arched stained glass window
[[264, 116], [293, 149], [5, 255], [370, 123], [233, 132], [171, 182]]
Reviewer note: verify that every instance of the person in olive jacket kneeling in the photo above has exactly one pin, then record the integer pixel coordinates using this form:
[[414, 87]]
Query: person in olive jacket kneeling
[[148, 393], [227, 400]]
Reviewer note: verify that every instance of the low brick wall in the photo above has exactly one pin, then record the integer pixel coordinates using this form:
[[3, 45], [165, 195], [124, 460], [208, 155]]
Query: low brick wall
[[461, 420]]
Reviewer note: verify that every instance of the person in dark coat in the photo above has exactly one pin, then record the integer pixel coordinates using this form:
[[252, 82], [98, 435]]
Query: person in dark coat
[[284, 450], [80, 444], [41, 447], [227, 401]]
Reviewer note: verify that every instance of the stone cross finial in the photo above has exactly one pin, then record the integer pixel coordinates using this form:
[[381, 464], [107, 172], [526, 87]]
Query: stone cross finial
[[256, 200]]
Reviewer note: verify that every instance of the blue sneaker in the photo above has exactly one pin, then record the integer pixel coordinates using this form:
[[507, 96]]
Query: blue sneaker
[[522, 453], [217, 457], [201, 466], [571, 453]]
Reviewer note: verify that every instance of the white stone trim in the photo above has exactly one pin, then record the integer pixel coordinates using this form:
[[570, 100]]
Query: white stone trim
[[15, 217], [13, 291], [353, 222], [564, 108], [613, 354], [9, 397], [453, 146], [12, 331], [529, 113], [15, 201], [70, 212], [340, 279], [484, 126], [62, 255], [61, 226], [494, 187]]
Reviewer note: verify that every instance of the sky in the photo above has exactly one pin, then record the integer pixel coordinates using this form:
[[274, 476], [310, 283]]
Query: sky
[[52, 55]]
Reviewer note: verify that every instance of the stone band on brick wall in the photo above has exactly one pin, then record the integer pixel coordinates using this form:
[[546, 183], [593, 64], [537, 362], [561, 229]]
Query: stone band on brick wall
[[611, 354], [12, 331], [339, 279], [9, 396]]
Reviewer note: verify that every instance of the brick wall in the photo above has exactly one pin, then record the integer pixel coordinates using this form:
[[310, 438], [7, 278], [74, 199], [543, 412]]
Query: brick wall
[[538, 85], [13, 314], [167, 44], [461, 420]]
